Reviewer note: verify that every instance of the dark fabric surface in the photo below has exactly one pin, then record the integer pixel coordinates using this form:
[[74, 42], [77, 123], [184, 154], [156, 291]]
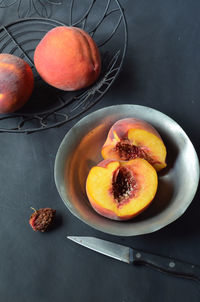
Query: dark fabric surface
[[161, 70]]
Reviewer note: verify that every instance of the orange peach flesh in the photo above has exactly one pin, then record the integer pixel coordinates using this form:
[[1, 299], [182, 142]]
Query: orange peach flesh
[[141, 189], [138, 139]]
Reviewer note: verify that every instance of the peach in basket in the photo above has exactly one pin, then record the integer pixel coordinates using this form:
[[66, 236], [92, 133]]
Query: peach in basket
[[68, 58]]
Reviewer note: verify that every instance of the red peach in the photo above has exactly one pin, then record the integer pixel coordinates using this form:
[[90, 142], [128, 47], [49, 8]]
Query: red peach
[[68, 58], [16, 83]]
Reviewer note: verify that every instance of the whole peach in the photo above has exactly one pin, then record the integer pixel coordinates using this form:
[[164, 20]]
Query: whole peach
[[68, 58], [16, 83]]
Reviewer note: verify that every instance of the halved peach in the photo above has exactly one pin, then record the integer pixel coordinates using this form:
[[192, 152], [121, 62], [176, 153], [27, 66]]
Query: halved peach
[[131, 138], [120, 190]]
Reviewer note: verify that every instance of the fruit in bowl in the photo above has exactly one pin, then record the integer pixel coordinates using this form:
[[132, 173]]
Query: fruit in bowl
[[130, 138], [120, 190], [87, 137], [68, 58], [16, 83], [125, 182]]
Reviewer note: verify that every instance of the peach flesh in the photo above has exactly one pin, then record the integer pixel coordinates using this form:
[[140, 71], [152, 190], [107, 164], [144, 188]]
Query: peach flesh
[[120, 190]]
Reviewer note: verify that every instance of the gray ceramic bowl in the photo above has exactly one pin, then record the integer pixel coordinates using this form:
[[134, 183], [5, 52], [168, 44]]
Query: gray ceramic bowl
[[80, 150]]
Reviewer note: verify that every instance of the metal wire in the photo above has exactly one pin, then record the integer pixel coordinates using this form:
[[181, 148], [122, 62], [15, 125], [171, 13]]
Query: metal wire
[[48, 106], [25, 8]]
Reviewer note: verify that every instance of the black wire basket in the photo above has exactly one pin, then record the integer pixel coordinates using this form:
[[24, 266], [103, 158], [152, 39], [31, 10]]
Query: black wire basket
[[49, 107]]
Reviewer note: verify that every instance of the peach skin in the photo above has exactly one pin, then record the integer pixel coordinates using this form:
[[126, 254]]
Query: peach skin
[[68, 58], [16, 83], [131, 138], [121, 190]]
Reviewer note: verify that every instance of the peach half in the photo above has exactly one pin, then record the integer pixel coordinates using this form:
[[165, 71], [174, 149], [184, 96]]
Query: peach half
[[120, 190], [131, 138]]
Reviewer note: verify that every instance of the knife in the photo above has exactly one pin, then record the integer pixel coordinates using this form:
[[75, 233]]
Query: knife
[[133, 256]]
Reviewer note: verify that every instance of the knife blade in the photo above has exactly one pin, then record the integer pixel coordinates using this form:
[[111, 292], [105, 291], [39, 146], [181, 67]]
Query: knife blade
[[133, 256]]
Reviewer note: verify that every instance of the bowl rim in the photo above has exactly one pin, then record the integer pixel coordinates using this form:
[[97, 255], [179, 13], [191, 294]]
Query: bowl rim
[[158, 225]]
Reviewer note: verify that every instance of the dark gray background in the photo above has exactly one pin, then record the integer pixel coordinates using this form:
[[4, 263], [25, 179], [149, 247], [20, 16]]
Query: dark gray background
[[161, 70]]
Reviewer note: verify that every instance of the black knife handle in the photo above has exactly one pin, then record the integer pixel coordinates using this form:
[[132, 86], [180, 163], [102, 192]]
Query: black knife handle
[[166, 264]]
